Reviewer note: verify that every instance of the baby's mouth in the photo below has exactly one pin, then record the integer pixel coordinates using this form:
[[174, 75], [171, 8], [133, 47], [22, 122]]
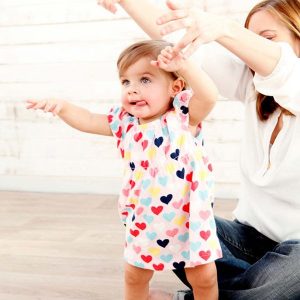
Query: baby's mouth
[[138, 102]]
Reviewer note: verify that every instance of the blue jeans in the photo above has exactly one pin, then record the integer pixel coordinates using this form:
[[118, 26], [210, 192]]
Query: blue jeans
[[253, 266]]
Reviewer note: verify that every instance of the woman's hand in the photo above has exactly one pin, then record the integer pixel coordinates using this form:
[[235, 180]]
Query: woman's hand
[[169, 60], [53, 106], [201, 27], [109, 4]]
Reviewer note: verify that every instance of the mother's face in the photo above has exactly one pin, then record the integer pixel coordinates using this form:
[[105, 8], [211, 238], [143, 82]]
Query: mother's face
[[269, 26]]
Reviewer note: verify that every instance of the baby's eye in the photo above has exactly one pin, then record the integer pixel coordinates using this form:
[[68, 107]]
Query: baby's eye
[[125, 82], [145, 80]]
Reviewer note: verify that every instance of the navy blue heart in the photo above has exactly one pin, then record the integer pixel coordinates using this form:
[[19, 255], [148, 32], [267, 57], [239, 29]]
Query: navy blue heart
[[180, 173], [179, 265], [184, 110], [158, 141], [132, 166], [133, 218], [163, 243], [174, 155], [166, 199]]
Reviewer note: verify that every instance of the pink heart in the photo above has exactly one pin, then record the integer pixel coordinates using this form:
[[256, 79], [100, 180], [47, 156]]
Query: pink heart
[[194, 185], [153, 172], [204, 214], [125, 192], [172, 233], [137, 249], [139, 210], [144, 144], [177, 204]]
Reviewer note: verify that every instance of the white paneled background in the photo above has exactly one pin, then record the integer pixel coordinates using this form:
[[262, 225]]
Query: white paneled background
[[68, 49]]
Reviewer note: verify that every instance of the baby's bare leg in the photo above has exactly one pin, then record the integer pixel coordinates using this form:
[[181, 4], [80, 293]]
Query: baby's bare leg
[[203, 280], [137, 282]]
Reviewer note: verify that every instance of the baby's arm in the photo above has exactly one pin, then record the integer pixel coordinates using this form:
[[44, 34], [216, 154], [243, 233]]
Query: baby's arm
[[75, 116], [205, 92]]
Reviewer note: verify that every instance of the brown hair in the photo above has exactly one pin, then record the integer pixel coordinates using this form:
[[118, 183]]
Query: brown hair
[[287, 11], [147, 48]]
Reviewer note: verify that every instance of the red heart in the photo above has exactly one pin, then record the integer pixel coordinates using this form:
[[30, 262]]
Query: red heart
[[134, 232], [205, 254], [205, 234], [187, 225], [132, 183], [157, 210], [110, 118], [141, 226], [146, 258], [130, 205], [119, 132], [189, 177], [122, 152], [186, 207], [145, 164], [128, 127], [138, 136], [210, 167], [158, 267]]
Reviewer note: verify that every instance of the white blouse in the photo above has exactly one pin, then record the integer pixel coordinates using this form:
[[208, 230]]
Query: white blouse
[[270, 178]]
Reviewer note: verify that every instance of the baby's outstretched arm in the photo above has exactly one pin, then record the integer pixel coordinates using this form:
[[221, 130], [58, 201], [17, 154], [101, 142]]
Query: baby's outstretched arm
[[205, 92], [75, 116]]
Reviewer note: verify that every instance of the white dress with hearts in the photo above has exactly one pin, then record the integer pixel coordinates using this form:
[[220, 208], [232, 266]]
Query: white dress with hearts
[[166, 197]]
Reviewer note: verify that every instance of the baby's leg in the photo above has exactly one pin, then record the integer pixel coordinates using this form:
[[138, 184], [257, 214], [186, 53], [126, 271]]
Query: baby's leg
[[137, 282], [203, 280]]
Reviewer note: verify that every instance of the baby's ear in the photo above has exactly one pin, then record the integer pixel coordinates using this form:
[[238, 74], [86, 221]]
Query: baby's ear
[[177, 86]]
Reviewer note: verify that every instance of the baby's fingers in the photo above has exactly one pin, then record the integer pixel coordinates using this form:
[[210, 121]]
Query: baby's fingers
[[32, 104]]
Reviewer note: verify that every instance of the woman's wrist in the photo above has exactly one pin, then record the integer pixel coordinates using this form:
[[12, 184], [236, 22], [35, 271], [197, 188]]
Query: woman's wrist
[[228, 29]]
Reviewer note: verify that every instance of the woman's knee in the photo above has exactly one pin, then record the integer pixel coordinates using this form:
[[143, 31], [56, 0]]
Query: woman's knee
[[290, 248]]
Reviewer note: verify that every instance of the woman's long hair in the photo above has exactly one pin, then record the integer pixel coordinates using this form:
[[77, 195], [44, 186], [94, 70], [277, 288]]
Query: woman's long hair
[[288, 12]]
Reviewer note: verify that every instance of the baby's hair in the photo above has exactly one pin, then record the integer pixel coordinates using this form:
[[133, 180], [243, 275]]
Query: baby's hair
[[147, 48]]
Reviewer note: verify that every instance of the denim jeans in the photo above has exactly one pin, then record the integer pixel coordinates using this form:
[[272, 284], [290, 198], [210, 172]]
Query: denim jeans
[[253, 266]]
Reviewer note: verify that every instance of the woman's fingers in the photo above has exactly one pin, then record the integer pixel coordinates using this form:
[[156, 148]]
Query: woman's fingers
[[187, 39], [192, 47], [109, 4]]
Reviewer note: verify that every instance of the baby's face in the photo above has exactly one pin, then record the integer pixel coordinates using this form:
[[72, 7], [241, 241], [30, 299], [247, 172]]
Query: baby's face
[[146, 90]]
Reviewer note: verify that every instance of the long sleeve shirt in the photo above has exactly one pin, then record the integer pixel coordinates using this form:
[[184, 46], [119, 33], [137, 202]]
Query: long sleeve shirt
[[270, 176]]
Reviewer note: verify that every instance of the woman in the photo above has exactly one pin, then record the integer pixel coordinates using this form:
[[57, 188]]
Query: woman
[[261, 248]]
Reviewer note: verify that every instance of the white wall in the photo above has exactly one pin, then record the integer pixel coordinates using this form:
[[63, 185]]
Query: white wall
[[68, 49]]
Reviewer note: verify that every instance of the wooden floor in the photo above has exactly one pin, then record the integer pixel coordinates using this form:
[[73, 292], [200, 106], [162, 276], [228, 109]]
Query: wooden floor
[[63, 247]]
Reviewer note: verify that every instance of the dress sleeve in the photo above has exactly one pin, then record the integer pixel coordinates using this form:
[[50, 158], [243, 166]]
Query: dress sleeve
[[283, 82], [181, 106], [120, 123]]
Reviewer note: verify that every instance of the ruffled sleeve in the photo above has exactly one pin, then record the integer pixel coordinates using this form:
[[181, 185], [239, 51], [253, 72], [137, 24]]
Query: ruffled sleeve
[[181, 106], [120, 123]]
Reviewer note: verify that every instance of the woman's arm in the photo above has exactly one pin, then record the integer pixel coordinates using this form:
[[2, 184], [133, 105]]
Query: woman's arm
[[75, 116], [143, 12], [260, 54]]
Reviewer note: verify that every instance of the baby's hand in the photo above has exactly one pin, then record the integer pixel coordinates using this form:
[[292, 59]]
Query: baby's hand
[[169, 61], [53, 106], [109, 4]]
